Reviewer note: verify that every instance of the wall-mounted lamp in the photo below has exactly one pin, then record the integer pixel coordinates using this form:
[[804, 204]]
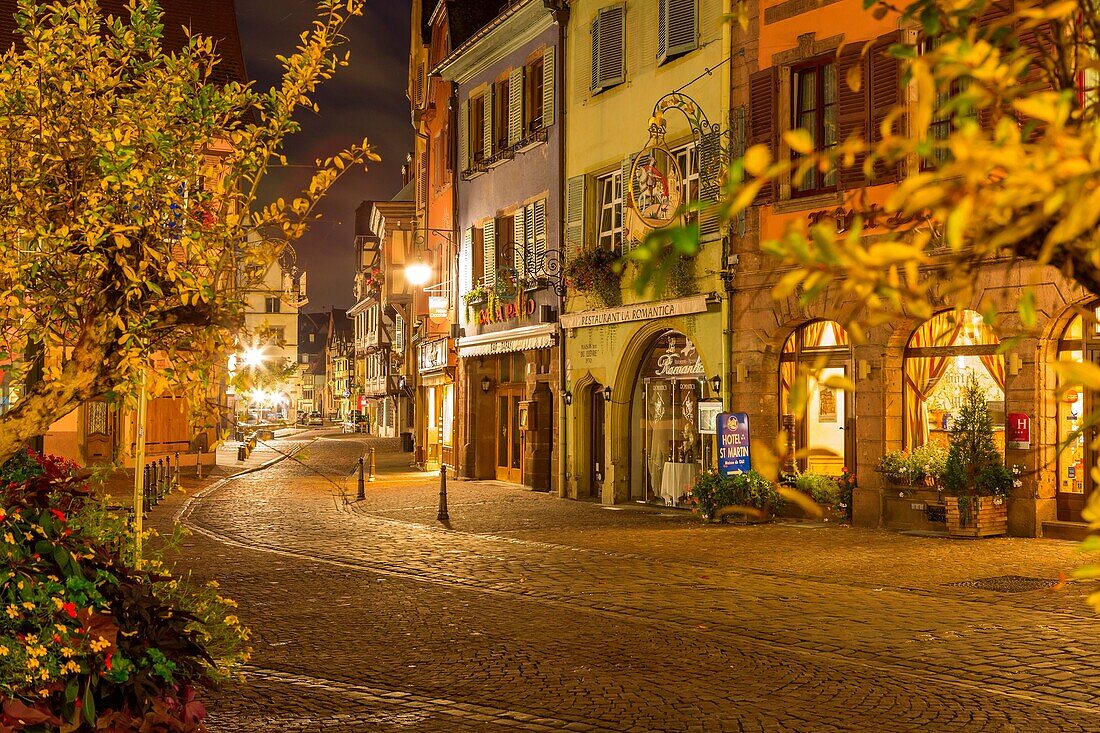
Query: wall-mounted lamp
[[1015, 364], [716, 383], [485, 384], [567, 397], [607, 394], [740, 372], [863, 368]]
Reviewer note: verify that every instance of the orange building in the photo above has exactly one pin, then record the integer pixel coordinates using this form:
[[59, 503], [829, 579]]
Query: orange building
[[789, 71]]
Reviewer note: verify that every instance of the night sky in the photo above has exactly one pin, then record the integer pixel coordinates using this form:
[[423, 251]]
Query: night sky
[[366, 98]]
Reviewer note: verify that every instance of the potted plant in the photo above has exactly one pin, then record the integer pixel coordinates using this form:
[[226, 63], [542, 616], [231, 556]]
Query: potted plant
[[975, 480], [476, 295], [596, 271]]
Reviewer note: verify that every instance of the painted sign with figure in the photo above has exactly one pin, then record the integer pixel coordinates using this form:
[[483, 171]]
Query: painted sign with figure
[[733, 443]]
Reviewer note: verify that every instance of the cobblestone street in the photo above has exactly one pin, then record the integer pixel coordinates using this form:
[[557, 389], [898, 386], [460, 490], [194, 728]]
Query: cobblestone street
[[532, 613]]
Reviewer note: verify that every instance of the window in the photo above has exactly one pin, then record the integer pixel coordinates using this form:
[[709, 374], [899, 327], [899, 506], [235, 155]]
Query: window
[[813, 108], [477, 129], [532, 98], [272, 304], [505, 241], [608, 48], [687, 158], [500, 116], [677, 28], [943, 121], [609, 189], [312, 338], [819, 434]]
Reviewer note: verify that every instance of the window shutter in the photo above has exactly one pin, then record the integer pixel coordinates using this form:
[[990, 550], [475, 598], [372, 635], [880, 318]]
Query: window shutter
[[1038, 43], [487, 116], [422, 180], [677, 28], [519, 244], [574, 215], [537, 237], [489, 247], [852, 111], [419, 88], [548, 77], [993, 15], [711, 173], [884, 80], [515, 106], [464, 136], [608, 47], [466, 262], [625, 168], [762, 119]]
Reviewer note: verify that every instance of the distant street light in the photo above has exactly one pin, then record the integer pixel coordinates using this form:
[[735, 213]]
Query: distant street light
[[418, 273], [252, 357]]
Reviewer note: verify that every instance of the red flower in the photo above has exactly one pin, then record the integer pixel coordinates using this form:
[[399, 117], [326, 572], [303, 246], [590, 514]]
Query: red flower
[[69, 608], [107, 661], [58, 513]]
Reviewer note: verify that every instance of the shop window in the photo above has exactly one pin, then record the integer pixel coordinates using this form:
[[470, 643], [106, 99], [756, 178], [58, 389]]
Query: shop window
[[813, 108], [672, 451], [821, 350], [941, 358], [609, 189], [1080, 341]]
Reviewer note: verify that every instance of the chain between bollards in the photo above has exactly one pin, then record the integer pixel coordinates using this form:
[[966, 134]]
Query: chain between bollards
[[443, 516], [370, 476], [362, 488]]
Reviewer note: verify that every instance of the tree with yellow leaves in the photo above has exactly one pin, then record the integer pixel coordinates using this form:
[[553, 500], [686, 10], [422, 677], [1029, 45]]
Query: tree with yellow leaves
[[130, 215]]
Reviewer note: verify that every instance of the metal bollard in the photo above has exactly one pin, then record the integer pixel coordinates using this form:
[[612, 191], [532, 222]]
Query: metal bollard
[[371, 476], [242, 452], [198, 464], [443, 516], [145, 489], [362, 489], [176, 476]]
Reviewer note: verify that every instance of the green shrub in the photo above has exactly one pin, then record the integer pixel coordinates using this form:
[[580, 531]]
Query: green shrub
[[713, 491], [923, 466]]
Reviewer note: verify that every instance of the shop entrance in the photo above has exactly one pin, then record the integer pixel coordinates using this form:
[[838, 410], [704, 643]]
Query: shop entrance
[[597, 455], [509, 435], [1081, 340]]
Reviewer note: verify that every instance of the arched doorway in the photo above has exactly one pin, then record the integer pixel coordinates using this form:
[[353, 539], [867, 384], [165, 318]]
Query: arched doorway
[[943, 354], [824, 433], [597, 457], [1076, 456], [668, 449]]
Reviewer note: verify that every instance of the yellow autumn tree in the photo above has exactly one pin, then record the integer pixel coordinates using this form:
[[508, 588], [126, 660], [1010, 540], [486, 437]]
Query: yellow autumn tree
[[130, 214]]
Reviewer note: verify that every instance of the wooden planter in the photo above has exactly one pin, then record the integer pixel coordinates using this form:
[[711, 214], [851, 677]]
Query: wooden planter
[[988, 517]]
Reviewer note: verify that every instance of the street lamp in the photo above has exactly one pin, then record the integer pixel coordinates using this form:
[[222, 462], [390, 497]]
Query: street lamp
[[418, 273]]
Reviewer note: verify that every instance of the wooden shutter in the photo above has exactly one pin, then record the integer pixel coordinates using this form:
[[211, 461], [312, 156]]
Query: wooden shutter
[[548, 77], [464, 136], [515, 106], [466, 262], [519, 243], [537, 237], [625, 167], [608, 47], [487, 116], [852, 111], [418, 90], [710, 180], [574, 215], [422, 180], [489, 248], [763, 122], [677, 28], [993, 15], [1038, 43], [884, 80]]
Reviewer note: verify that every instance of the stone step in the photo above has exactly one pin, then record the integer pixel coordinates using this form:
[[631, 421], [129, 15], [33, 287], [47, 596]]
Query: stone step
[[1059, 530]]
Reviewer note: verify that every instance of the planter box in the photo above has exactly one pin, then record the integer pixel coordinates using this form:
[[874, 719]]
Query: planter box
[[988, 517], [907, 508]]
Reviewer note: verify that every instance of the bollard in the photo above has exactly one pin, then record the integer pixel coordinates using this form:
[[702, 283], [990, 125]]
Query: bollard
[[371, 476], [145, 489], [362, 489], [198, 464], [242, 452], [176, 476], [443, 516]]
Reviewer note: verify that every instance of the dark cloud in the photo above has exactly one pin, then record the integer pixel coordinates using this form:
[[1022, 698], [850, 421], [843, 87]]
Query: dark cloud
[[365, 99]]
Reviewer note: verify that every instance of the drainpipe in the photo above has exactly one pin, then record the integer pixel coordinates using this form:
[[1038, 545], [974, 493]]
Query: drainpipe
[[462, 468], [560, 10]]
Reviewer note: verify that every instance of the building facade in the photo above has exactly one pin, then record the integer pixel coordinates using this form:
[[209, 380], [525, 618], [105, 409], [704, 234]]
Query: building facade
[[339, 366], [647, 91], [509, 156]]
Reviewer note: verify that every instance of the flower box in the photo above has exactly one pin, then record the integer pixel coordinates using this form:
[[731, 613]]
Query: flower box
[[988, 517]]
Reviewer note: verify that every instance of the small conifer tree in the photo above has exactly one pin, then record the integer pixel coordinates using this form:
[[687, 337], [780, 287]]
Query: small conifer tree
[[974, 465]]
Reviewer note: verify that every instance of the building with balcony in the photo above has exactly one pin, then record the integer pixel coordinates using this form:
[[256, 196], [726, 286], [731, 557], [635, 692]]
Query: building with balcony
[[507, 92]]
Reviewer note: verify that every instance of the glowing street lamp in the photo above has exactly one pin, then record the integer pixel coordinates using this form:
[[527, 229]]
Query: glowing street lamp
[[252, 357], [418, 273]]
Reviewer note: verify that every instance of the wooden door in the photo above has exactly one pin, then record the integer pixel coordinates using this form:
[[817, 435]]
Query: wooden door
[[597, 459], [509, 437]]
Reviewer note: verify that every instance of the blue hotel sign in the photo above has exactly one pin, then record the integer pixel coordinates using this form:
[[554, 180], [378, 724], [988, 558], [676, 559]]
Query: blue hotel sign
[[733, 443]]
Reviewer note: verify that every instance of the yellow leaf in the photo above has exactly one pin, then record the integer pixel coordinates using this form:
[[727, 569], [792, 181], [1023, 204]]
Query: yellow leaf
[[757, 159], [799, 140], [1072, 373], [1044, 106]]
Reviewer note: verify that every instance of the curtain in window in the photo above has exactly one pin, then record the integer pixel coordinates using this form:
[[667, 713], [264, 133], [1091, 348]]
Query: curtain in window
[[993, 363], [922, 373]]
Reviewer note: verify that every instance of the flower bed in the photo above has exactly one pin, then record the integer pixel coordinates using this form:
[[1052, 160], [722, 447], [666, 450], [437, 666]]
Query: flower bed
[[90, 640], [745, 494]]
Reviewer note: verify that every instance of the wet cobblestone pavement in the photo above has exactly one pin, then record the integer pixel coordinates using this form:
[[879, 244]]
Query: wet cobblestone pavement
[[532, 613]]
